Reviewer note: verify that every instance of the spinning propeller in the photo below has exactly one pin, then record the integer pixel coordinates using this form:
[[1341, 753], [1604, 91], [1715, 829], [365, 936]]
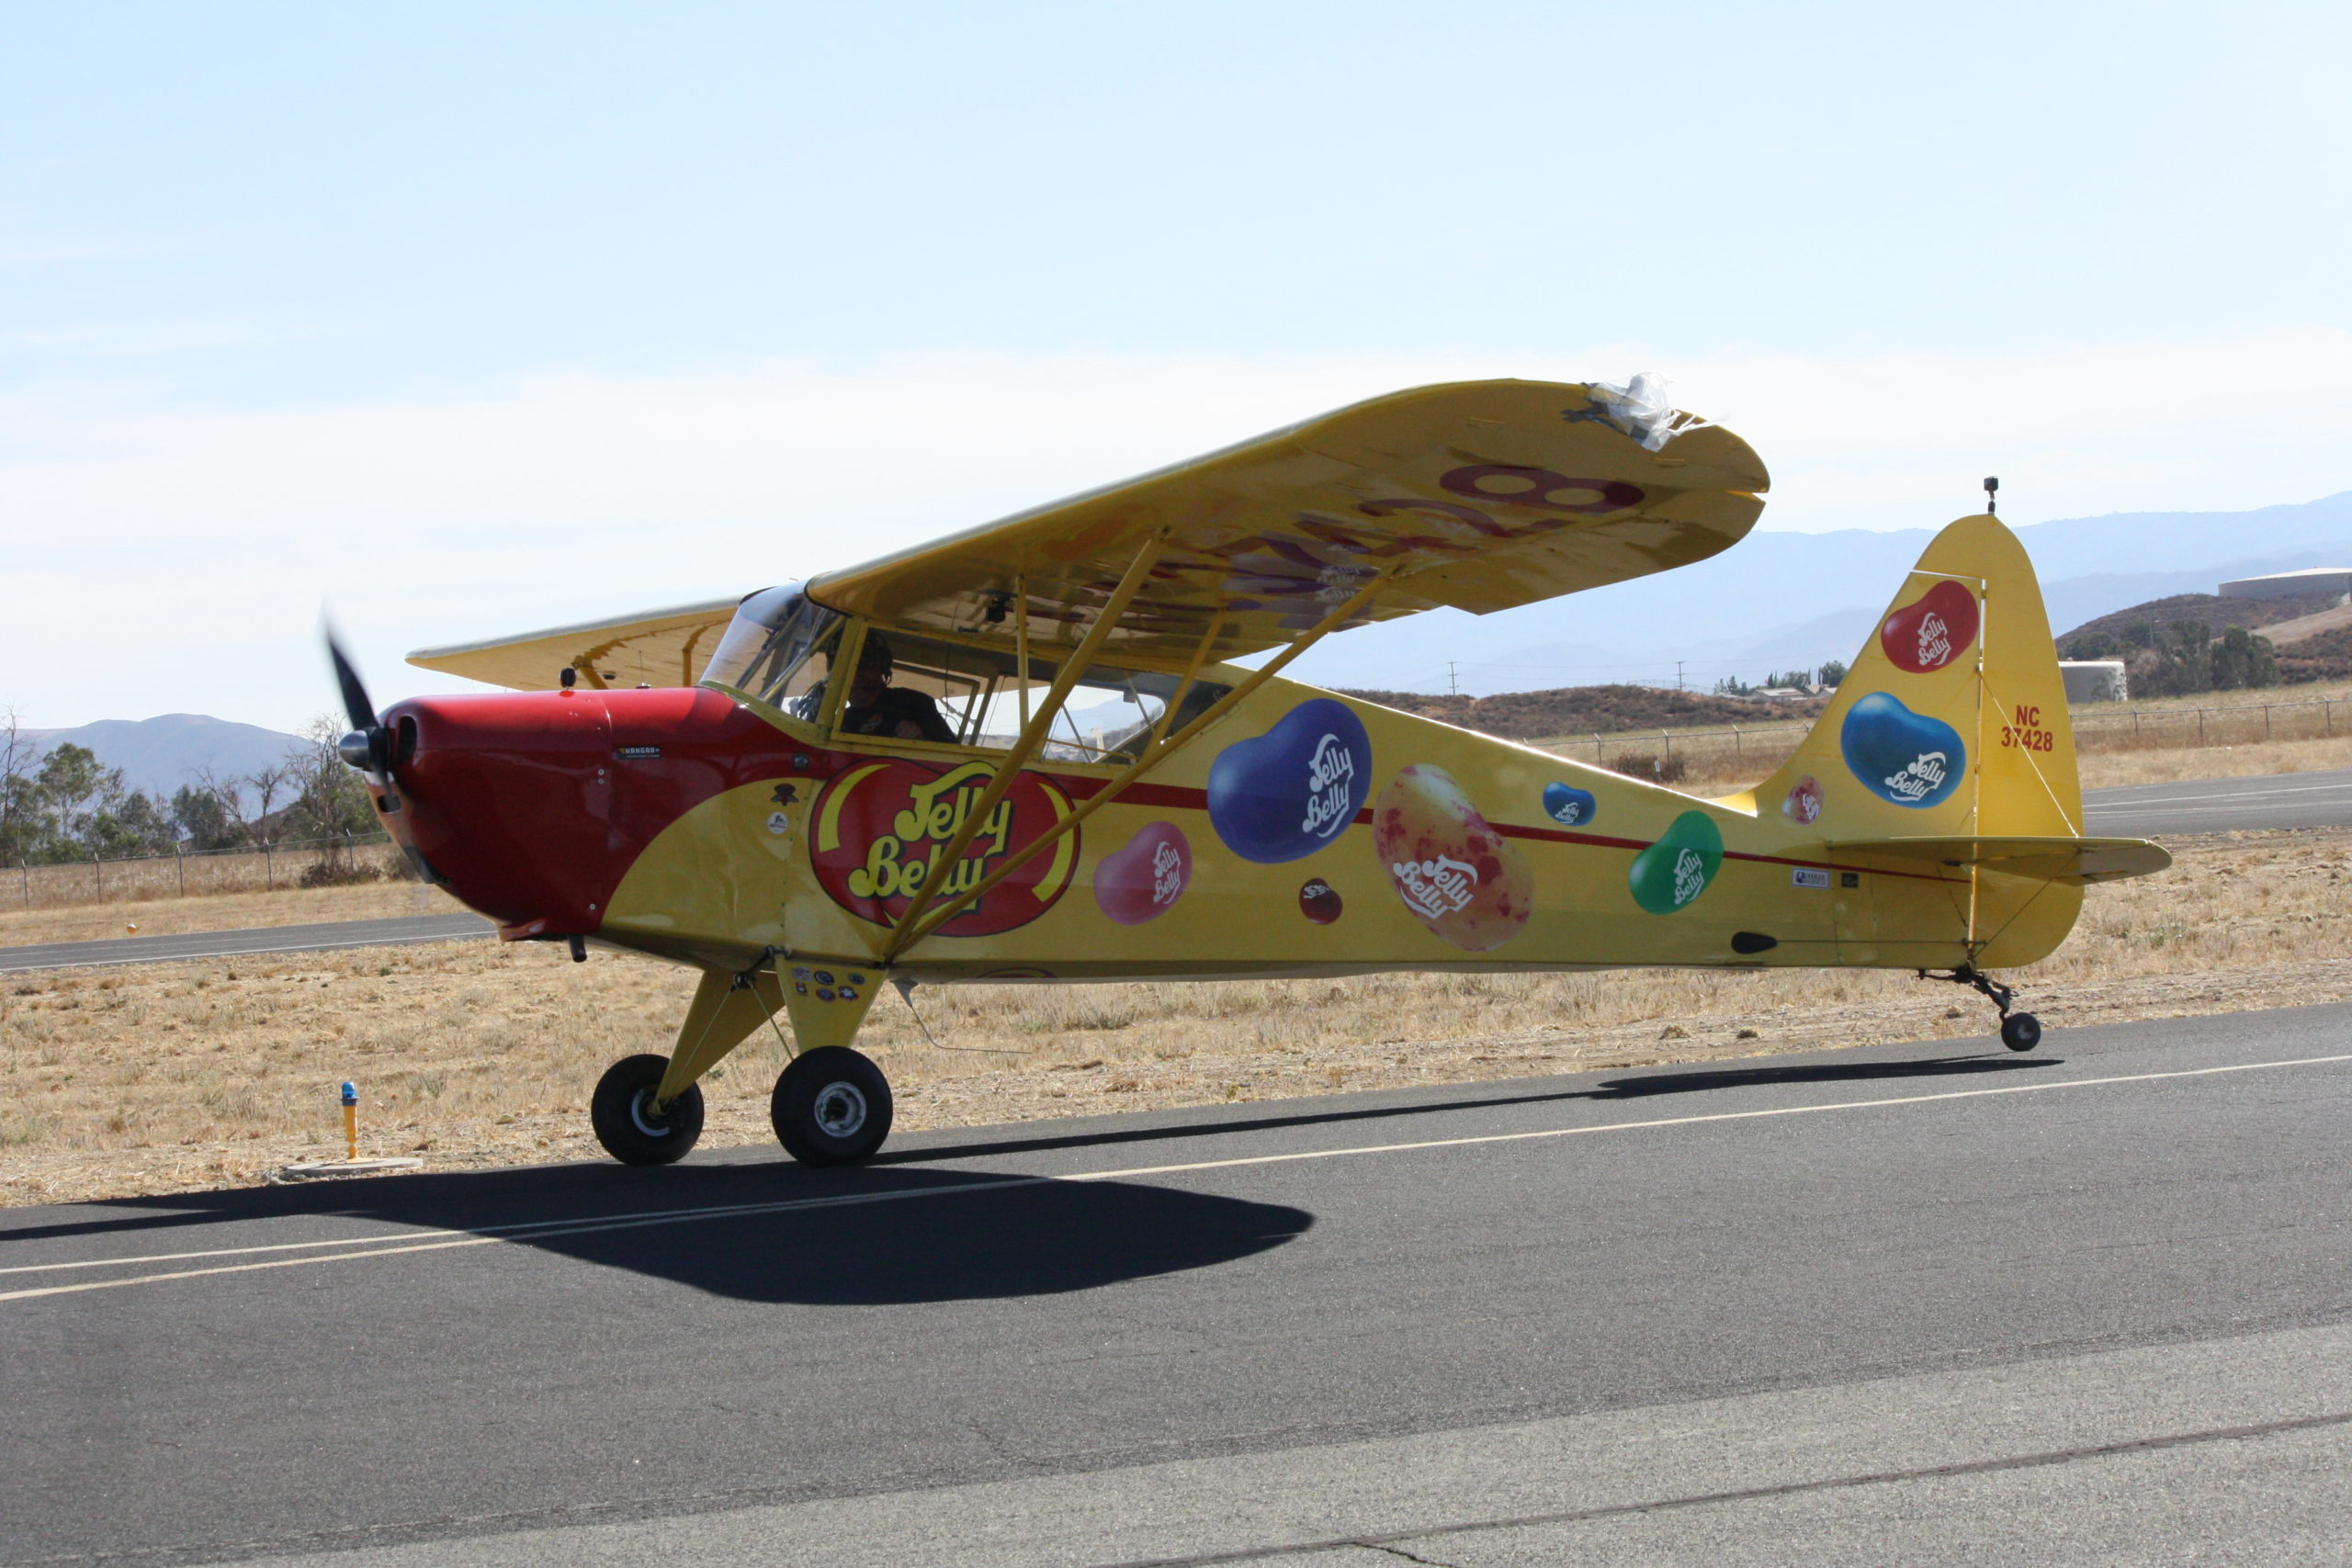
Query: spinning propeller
[[368, 747]]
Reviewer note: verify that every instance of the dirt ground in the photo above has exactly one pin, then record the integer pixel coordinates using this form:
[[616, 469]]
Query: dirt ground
[[153, 1078]]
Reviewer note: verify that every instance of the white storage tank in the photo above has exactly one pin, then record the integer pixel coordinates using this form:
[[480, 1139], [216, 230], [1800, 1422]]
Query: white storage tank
[[2291, 584], [2095, 680]]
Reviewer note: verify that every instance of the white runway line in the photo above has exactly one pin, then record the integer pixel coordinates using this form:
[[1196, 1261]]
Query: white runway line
[[543, 1228]]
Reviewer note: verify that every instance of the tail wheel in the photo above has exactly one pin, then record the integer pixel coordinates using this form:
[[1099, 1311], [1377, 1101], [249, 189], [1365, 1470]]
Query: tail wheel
[[2021, 1031], [831, 1107], [626, 1123]]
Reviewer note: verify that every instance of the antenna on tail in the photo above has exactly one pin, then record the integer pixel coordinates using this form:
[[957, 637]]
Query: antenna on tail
[[1992, 496]]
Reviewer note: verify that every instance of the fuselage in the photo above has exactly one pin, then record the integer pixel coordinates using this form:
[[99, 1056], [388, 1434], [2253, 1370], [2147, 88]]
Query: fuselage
[[1302, 833]]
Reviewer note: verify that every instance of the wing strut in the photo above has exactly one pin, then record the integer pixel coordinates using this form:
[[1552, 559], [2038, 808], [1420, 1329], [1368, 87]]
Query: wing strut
[[908, 932], [1033, 734]]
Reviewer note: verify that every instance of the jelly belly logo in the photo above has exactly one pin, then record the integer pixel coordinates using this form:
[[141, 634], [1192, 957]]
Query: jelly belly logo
[[877, 829], [1435, 888], [1911, 759], [1932, 631], [1289, 792]]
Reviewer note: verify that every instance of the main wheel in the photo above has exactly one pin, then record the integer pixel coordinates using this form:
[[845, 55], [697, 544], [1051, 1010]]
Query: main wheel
[[831, 1107], [627, 1125], [2021, 1031]]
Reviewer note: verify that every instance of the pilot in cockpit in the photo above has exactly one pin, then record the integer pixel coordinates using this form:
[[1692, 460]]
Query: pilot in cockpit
[[876, 707]]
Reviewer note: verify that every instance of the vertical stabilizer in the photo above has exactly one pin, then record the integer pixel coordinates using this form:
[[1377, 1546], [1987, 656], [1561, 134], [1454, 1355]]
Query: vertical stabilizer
[[1952, 722]]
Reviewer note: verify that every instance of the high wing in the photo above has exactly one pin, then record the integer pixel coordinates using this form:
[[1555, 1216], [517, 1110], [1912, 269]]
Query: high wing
[[1481, 495], [653, 648], [1478, 495]]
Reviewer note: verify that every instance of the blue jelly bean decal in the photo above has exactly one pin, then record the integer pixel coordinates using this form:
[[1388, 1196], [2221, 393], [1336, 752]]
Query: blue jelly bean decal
[[1571, 808], [1292, 790], [1911, 759]]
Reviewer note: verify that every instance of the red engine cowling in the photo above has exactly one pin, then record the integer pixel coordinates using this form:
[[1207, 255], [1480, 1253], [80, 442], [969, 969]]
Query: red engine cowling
[[531, 805]]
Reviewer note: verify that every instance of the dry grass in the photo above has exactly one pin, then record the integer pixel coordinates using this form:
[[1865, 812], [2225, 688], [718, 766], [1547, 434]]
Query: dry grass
[[223, 911], [148, 1079], [2110, 768]]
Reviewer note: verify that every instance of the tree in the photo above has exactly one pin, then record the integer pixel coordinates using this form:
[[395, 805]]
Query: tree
[[17, 800], [204, 819], [2241, 659], [1832, 674], [72, 788], [330, 799]]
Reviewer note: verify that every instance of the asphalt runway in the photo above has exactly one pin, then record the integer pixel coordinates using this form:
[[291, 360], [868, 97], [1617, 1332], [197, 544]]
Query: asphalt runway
[[2220, 805], [327, 937], [1928, 1302], [2292, 800]]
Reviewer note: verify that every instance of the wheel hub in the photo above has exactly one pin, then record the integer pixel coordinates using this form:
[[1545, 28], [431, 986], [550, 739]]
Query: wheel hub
[[648, 1120], [839, 1110]]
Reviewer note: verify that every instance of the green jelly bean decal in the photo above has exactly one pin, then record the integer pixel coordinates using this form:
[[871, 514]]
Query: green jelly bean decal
[[1678, 868]]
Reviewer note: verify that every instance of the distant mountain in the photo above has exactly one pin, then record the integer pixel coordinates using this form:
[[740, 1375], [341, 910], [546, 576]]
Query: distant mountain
[[158, 755], [1780, 601]]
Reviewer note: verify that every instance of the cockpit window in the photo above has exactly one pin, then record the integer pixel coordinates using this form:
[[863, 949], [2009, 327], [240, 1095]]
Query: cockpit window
[[927, 689], [775, 650]]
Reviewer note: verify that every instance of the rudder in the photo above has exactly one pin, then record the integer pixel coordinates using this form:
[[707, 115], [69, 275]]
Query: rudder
[[1952, 722]]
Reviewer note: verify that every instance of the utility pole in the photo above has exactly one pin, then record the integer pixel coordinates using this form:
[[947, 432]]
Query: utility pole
[[1453, 682], [1678, 676]]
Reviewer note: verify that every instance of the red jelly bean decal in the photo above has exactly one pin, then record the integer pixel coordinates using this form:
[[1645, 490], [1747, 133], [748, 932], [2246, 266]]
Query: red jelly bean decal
[[1930, 632], [1319, 901]]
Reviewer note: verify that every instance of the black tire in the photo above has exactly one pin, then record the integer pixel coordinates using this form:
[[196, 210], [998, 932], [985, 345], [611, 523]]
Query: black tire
[[624, 1125], [831, 1107], [2021, 1031]]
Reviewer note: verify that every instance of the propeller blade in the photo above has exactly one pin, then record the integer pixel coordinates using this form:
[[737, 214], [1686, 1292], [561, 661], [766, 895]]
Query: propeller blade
[[355, 706]]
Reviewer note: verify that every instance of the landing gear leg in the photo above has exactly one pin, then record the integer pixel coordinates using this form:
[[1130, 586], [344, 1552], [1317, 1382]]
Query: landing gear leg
[[2019, 1031]]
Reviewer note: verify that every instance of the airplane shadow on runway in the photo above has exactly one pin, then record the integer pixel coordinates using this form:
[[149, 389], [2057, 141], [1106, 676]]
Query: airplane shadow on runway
[[892, 1232], [833, 1237], [1613, 1089]]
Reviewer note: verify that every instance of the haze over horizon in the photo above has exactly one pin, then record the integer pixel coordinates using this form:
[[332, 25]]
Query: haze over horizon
[[473, 322]]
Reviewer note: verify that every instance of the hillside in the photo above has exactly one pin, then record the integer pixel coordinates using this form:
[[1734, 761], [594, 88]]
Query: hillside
[[1589, 710], [2105, 636], [2327, 657], [158, 755]]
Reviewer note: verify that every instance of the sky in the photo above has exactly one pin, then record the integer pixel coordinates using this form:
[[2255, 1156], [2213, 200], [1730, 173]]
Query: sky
[[466, 320]]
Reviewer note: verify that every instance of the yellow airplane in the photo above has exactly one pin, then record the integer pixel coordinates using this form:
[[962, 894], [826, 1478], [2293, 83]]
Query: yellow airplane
[[1024, 752]]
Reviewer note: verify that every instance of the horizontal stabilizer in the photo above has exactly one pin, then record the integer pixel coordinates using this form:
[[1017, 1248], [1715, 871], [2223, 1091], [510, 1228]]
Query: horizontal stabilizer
[[2070, 860]]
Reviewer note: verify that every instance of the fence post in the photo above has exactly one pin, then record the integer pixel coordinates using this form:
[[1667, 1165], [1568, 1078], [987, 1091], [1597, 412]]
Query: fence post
[[2201, 727], [1596, 747], [98, 870], [179, 856], [25, 870], [269, 860], [2266, 721]]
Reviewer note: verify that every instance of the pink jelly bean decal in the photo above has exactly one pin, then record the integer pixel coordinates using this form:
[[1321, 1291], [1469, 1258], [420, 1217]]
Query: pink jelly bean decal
[[1143, 881], [1803, 803]]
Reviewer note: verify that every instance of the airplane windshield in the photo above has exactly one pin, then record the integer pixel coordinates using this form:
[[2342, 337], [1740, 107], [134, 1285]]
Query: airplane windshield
[[769, 650]]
